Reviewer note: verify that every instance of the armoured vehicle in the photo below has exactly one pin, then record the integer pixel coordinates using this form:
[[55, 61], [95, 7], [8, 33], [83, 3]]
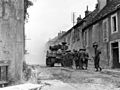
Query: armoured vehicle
[[55, 54]]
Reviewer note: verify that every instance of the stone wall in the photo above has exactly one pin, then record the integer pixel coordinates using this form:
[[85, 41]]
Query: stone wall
[[95, 34], [12, 36]]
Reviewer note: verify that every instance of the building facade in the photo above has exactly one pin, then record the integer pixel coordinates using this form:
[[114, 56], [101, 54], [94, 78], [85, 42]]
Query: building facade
[[102, 26], [11, 39], [104, 29]]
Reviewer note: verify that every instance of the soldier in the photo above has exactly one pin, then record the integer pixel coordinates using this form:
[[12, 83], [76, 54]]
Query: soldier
[[66, 59], [81, 58], [75, 54], [86, 59], [70, 59], [63, 59], [64, 47], [59, 56], [97, 60], [97, 57]]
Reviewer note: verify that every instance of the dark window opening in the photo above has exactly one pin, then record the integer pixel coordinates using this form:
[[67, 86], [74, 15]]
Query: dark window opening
[[114, 23], [3, 73], [115, 55]]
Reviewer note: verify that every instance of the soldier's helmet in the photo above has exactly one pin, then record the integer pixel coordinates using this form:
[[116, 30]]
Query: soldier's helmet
[[74, 50], [95, 44], [82, 49], [68, 50], [64, 43]]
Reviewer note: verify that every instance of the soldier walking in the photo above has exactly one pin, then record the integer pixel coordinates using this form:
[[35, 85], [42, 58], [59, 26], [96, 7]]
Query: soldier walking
[[97, 57]]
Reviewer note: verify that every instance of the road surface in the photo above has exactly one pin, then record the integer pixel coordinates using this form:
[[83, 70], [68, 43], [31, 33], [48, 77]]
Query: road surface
[[59, 78]]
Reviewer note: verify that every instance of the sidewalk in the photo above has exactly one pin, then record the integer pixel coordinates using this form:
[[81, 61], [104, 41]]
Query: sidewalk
[[113, 72], [91, 69]]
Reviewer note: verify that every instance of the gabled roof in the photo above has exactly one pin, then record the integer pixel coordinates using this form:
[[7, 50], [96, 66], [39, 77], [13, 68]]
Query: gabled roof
[[65, 33], [78, 24], [88, 19], [69, 31], [110, 8]]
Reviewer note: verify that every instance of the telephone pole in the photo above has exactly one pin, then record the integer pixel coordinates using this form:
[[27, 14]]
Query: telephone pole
[[73, 15]]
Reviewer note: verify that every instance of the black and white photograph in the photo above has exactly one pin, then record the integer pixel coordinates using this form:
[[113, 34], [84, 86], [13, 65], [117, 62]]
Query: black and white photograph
[[59, 44]]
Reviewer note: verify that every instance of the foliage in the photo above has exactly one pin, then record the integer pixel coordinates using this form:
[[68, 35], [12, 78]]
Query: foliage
[[26, 71], [27, 4], [25, 66]]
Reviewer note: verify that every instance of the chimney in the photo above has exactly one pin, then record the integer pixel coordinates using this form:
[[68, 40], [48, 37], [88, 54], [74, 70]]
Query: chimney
[[102, 4], [96, 6], [79, 19], [87, 12]]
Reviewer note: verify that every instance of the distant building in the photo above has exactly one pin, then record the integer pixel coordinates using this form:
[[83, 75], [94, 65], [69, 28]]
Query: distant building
[[11, 40], [55, 40]]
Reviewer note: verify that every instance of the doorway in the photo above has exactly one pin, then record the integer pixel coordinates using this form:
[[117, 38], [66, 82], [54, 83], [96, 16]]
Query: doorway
[[115, 54]]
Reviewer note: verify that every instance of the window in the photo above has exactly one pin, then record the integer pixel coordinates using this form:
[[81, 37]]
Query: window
[[114, 23], [90, 37], [86, 38], [3, 73], [105, 30]]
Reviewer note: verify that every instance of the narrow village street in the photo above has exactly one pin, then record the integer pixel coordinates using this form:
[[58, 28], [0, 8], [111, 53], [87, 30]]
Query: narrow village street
[[60, 78], [42, 47]]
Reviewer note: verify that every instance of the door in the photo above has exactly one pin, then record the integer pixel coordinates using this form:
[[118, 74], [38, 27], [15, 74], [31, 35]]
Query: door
[[115, 55]]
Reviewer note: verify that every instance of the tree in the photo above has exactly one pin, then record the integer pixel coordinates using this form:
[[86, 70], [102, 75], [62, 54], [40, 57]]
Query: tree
[[27, 4]]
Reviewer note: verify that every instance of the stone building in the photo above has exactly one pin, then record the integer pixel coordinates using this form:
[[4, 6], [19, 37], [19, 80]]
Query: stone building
[[104, 29], [73, 36], [102, 26], [11, 40]]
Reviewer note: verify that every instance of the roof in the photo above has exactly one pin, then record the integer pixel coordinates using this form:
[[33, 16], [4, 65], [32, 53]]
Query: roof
[[77, 25], [111, 7], [67, 32], [97, 15], [90, 17]]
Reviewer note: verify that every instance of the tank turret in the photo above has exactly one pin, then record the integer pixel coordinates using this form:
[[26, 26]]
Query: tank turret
[[64, 47]]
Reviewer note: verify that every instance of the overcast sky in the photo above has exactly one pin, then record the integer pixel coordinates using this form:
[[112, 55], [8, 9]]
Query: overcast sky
[[47, 18]]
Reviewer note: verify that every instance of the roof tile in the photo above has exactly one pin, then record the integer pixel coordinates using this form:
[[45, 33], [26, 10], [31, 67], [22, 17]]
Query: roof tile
[[109, 8]]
